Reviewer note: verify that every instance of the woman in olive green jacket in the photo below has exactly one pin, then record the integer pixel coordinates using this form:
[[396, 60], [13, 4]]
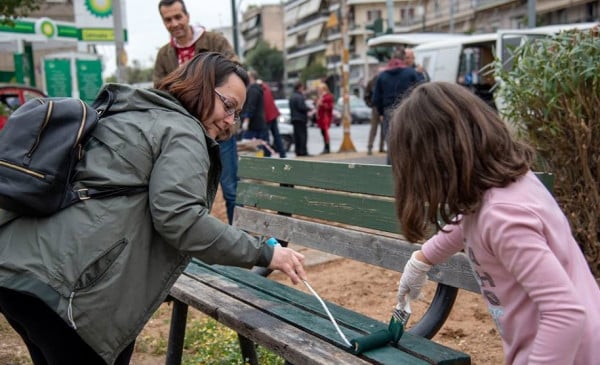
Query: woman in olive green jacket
[[80, 285]]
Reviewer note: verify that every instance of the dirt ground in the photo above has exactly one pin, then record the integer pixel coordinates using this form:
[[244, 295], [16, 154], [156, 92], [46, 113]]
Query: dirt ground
[[363, 288]]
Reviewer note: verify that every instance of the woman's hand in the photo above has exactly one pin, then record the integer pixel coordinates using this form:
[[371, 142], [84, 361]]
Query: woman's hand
[[290, 262]]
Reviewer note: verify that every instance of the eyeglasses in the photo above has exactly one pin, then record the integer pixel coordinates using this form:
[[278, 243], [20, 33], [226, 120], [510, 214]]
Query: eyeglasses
[[229, 109]]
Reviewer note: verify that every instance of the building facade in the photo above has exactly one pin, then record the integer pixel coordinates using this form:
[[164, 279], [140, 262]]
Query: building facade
[[263, 23], [312, 28]]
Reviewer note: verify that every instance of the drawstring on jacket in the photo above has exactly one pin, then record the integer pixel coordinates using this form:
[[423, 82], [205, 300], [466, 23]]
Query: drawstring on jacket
[[70, 311]]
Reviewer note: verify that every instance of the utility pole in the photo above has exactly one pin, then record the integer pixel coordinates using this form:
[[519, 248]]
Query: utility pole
[[234, 26], [531, 14], [390, 15], [451, 16], [120, 53], [347, 145]]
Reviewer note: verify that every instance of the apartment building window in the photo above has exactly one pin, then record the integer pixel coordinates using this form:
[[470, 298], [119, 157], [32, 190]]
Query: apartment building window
[[302, 39], [407, 14], [373, 14]]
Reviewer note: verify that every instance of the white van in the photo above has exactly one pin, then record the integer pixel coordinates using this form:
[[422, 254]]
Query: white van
[[461, 60], [407, 40], [469, 60]]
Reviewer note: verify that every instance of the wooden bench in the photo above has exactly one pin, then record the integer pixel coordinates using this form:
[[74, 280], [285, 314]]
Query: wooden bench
[[345, 209]]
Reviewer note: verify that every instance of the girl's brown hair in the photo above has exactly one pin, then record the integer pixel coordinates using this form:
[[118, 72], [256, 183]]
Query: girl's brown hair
[[447, 147], [194, 83]]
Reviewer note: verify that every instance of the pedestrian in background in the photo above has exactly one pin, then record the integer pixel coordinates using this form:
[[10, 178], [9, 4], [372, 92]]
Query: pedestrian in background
[[410, 62], [452, 151], [186, 42], [375, 117], [254, 124], [391, 86], [299, 116], [324, 113]]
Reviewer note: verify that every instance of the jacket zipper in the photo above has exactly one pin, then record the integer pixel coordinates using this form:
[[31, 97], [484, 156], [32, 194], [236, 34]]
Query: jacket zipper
[[24, 170]]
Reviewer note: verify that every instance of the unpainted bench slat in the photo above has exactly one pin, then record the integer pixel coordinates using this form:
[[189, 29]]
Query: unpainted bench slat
[[388, 252], [278, 336], [358, 210], [350, 177], [305, 312]]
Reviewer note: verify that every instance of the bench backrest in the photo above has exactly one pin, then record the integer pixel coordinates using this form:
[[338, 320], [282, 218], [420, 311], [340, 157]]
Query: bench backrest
[[346, 209]]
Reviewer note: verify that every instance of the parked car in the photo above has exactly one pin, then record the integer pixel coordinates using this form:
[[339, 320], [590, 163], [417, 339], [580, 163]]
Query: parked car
[[360, 112], [13, 96], [284, 109]]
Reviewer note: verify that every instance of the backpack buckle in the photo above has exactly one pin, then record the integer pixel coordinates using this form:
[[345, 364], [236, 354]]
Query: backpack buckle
[[83, 194]]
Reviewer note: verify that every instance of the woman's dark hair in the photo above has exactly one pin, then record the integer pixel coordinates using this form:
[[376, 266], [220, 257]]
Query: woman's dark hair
[[447, 147], [194, 83]]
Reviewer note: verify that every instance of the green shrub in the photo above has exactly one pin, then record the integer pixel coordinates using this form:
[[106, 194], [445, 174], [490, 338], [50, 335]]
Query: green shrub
[[552, 95]]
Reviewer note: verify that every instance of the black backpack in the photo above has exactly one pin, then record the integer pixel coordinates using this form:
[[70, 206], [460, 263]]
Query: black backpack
[[40, 145]]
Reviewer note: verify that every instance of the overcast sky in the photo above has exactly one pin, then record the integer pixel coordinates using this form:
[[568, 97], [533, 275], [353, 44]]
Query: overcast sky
[[147, 33]]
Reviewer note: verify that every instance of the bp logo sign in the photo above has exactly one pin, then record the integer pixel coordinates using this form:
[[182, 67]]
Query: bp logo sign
[[99, 8], [46, 27]]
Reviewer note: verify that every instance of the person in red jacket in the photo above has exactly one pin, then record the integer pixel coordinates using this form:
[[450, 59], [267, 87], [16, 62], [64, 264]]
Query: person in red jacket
[[271, 115], [324, 113]]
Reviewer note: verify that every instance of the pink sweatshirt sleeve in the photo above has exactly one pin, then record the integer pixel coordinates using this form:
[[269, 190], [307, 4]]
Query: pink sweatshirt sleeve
[[444, 244]]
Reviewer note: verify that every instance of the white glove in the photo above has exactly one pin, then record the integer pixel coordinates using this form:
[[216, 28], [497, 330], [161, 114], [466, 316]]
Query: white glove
[[412, 280]]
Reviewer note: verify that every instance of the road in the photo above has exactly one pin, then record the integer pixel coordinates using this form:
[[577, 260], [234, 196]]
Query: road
[[359, 135]]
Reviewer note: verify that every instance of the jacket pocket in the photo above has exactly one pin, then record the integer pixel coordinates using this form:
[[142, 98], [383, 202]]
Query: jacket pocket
[[94, 272]]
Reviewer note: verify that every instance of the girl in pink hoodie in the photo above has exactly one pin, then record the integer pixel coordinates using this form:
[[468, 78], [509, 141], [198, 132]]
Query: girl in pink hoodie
[[452, 151]]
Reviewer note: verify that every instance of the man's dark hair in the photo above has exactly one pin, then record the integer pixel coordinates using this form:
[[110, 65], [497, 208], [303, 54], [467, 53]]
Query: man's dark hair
[[162, 3], [298, 86]]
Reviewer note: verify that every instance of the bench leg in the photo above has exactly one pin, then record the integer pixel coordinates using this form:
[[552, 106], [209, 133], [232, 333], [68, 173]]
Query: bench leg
[[247, 347], [248, 350], [176, 333], [437, 313]]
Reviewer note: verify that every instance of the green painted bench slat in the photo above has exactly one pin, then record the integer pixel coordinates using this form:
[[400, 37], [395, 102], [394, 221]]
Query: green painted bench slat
[[304, 311], [350, 177], [357, 210]]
